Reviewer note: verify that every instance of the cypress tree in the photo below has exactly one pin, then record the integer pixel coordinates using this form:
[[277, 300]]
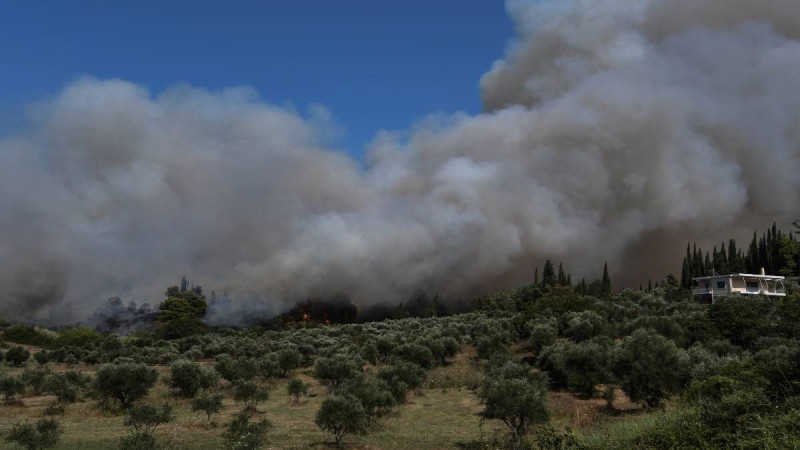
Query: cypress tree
[[548, 274], [562, 277], [606, 286]]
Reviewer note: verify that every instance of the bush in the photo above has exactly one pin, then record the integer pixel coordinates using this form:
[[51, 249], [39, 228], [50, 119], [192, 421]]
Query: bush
[[239, 369], [374, 394], [288, 360], [209, 403], [250, 393], [342, 415], [187, 378], [125, 383], [296, 388], [78, 337], [145, 418], [649, 366], [516, 396], [17, 356], [41, 357], [45, 433], [11, 387], [59, 385], [242, 434], [415, 353], [25, 335], [139, 441], [335, 370]]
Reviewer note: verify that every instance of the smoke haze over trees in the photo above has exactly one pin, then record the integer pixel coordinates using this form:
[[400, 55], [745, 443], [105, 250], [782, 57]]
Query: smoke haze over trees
[[613, 130]]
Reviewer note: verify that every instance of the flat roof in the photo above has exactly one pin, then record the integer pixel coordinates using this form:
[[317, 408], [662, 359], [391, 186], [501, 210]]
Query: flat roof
[[747, 275]]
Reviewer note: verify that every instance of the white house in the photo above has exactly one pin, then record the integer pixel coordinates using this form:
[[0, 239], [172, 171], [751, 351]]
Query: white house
[[708, 288]]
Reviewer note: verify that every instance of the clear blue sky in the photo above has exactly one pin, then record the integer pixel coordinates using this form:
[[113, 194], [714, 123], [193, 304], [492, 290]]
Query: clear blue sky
[[376, 64]]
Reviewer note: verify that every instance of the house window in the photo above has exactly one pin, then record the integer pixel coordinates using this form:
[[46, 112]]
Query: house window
[[720, 285]]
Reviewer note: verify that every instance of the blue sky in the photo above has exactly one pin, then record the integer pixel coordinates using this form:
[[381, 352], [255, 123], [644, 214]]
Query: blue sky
[[379, 64]]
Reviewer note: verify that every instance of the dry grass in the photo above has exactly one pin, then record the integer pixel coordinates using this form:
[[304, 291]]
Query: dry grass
[[439, 416]]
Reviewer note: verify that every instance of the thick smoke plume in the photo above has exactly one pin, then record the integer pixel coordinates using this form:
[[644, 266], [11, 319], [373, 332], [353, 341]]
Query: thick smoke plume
[[613, 129]]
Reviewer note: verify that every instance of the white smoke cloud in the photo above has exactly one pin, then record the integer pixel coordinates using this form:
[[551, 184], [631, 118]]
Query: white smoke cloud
[[614, 129]]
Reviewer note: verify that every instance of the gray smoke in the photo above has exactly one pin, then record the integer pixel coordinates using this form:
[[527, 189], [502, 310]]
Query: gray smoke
[[614, 130]]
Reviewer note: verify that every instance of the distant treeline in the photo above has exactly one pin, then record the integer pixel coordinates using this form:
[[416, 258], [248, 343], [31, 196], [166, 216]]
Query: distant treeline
[[776, 251]]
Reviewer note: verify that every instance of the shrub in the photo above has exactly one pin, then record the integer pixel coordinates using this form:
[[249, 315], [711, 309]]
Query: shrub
[[250, 393], [59, 385], [209, 403], [45, 433], [296, 388], [415, 353], [139, 441], [11, 387], [649, 366], [41, 357], [21, 334], [186, 378], [342, 415], [401, 377], [78, 337], [144, 418], [335, 370], [242, 434], [288, 360], [374, 394], [125, 383], [516, 396], [584, 325], [238, 369], [17, 356]]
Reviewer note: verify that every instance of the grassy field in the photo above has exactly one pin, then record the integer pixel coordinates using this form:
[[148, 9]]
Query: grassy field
[[440, 415]]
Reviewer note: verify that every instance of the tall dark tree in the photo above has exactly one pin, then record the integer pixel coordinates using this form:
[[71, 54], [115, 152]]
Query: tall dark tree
[[562, 277], [606, 289], [548, 274]]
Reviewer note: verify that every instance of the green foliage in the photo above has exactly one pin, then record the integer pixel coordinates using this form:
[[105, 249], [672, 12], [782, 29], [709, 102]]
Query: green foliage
[[179, 315], [45, 433], [186, 378], [400, 377], [584, 325], [78, 337], [21, 334], [375, 395], [341, 415], [17, 356], [242, 434], [139, 440], [236, 369], [125, 383], [335, 370], [649, 367], [549, 438], [144, 418], [208, 402], [579, 366], [516, 396], [295, 388], [58, 384], [250, 393], [741, 319], [288, 360], [415, 353], [11, 386]]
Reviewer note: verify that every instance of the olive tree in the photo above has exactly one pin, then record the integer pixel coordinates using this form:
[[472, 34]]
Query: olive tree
[[45, 433], [341, 415], [516, 396], [648, 366], [125, 383]]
